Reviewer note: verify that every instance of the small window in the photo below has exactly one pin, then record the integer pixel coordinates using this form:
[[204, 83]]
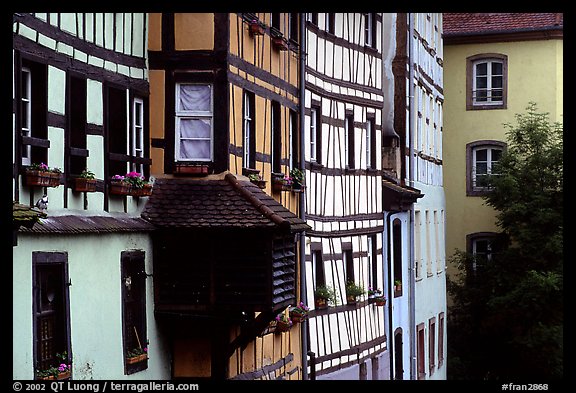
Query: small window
[[315, 135], [32, 112], [293, 32], [248, 131], [349, 141], [26, 113], [421, 362], [318, 264], [77, 132], [137, 135], [370, 30], [133, 284], [276, 121], [294, 140], [482, 159], [370, 144], [397, 255], [329, 22], [432, 345], [487, 81], [440, 339], [348, 258], [373, 261], [194, 122]]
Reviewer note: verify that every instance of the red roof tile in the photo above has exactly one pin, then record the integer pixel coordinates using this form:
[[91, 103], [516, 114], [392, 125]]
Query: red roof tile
[[489, 23], [222, 202]]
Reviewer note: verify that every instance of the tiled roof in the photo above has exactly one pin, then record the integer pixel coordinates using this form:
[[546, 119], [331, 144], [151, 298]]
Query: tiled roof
[[74, 224], [506, 22], [223, 201]]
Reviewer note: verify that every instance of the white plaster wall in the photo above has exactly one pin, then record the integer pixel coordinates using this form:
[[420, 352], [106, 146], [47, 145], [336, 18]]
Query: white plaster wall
[[95, 305]]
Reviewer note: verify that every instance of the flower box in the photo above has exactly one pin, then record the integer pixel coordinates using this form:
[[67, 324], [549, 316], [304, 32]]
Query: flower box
[[260, 183], [62, 375], [84, 185], [195, 170], [280, 43], [256, 28], [282, 326], [146, 190], [320, 303], [380, 301], [37, 178], [137, 359], [119, 187]]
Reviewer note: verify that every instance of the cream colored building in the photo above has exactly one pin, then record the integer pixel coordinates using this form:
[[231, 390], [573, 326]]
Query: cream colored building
[[494, 65]]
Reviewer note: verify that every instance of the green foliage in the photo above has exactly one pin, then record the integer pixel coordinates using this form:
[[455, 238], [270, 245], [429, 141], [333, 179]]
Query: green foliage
[[326, 292], [353, 289], [506, 320]]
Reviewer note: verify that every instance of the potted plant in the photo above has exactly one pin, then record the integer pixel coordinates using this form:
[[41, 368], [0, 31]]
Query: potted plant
[[137, 355], [256, 27], [297, 178], [324, 296], [283, 323], [62, 371], [280, 181], [138, 185], [119, 185], [257, 179], [42, 175], [353, 291], [374, 292], [380, 301], [86, 182], [278, 39], [397, 286], [299, 313]]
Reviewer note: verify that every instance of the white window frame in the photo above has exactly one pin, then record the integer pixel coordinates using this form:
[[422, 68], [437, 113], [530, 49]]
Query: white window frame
[[489, 76], [488, 253], [26, 100], [313, 125], [489, 163], [137, 134], [346, 146], [248, 124], [368, 27], [193, 115]]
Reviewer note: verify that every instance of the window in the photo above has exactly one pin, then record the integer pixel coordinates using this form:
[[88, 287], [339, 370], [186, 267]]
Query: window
[[294, 140], [482, 246], [318, 264], [117, 126], [275, 118], [32, 112], [482, 157], [431, 345], [417, 244], [370, 30], [194, 122], [349, 148], [486, 81], [26, 113], [248, 131], [397, 253], [371, 144], [137, 135], [77, 108], [51, 307], [133, 284], [348, 260], [440, 339], [420, 351], [329, 22], [293, 25], [312, 17], [315, 135], [373, 261]]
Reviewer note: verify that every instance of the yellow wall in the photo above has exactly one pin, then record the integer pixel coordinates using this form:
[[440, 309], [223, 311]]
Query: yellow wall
[[156, 78], [194, 31], [154, 31], [534, 74]]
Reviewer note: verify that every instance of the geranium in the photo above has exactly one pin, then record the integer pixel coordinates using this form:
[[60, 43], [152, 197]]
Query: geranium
[[288, 180], [117, 177], [282, 318], [374, 291], [44, 168], [135, 179]]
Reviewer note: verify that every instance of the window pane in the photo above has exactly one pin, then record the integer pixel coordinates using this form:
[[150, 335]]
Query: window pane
[[481, 181], [496, 82], [194, 98], [481, 168], [481, 155], [481, 246], [195, 149], [481, 82], [481, 69], [481, 95], [496, 155], [195, 128], [497, 95], [496, 68]]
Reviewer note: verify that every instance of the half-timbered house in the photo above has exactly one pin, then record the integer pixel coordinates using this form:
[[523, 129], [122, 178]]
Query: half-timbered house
[[82, 296], [225, 133], [343, 136]]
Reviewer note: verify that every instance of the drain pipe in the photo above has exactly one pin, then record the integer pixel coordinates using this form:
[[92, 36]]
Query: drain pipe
[[303, 292], [412, 278]]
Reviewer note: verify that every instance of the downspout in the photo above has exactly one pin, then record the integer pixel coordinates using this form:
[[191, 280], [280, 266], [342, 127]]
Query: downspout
[[412, 278], [302, 213]]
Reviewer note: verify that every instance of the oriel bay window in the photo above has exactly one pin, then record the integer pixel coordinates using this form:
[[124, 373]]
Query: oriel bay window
[[194, 122]]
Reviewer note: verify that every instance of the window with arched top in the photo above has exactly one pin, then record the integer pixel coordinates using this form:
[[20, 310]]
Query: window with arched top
[[486, 81], [482, 158]]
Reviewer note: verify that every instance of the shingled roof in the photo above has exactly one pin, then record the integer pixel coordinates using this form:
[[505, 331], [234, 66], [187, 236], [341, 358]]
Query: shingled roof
[[467, 24], [224, 201]]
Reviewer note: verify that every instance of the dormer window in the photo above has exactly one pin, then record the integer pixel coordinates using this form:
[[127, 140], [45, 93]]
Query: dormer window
[[194, 122]]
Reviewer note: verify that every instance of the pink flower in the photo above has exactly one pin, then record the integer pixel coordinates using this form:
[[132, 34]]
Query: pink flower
[[134, 174], [62, 367], [118, 177], [43, 166], [145, 349]]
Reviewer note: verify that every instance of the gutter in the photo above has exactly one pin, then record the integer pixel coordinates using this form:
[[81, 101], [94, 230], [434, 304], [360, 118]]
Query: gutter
[[301, 211], [412, 278]]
